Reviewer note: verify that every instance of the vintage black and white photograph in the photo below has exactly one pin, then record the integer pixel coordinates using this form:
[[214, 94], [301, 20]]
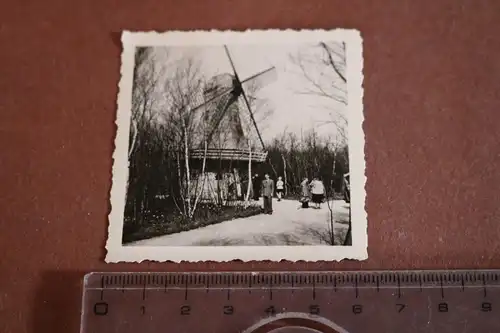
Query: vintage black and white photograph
[[239, 146]]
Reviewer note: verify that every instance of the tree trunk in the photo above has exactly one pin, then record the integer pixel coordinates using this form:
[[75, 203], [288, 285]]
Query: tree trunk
[[348, 236], [181, 185], [188, 172], [203, 175], [134, 139], [250, 184], [333, 173], [284, 173], [219, 179], [332, 219], [131, 150]]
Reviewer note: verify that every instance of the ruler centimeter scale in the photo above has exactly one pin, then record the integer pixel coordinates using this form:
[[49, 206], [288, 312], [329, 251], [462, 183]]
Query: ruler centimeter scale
[[261, 302]]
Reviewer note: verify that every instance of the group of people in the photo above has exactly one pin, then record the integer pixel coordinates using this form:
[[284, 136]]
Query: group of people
[[310, 191], [266, 188], [314, 191]]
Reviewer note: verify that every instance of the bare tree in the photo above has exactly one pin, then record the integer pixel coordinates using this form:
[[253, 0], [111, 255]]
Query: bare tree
[[147, 74], [203, 175], [283, 159], [142, 128], [323, 66], [330, 193], [181, 92]]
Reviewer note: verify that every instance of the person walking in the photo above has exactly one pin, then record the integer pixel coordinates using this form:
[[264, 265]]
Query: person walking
[[267, 194], [279, 188], [317, 191], [305, 194]]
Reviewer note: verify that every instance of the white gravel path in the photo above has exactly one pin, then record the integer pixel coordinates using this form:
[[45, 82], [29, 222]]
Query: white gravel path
[[288, 225]]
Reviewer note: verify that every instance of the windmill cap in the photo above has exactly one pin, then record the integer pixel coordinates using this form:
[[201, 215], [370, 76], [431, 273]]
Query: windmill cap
[[219, 81]]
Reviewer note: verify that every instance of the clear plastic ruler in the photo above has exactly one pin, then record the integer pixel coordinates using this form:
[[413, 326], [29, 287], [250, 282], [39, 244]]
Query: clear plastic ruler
[[260, 302]]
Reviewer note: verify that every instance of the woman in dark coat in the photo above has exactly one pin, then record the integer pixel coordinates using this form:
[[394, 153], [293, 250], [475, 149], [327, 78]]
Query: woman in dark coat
[[256, 182], [305, 195]]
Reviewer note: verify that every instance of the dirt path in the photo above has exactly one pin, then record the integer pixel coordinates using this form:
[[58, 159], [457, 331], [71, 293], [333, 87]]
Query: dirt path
[[288, 225]]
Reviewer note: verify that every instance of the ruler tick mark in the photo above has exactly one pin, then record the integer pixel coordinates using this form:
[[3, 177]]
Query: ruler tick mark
[[102, 288], [314, 290], [430, 298], [399, 287]]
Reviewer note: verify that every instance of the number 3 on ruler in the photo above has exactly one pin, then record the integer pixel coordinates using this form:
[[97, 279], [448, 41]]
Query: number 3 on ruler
[[101, 309]]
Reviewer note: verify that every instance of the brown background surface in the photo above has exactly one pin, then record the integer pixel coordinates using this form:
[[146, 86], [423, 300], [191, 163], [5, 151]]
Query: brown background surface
[[432, 109]]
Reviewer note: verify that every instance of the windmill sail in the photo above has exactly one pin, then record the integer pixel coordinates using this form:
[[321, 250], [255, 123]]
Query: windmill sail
[[238, 86], [224, 127], [220, 107], [218, 121], [261, 79]]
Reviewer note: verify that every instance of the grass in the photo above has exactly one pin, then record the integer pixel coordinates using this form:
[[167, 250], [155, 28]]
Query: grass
[[163, 222]]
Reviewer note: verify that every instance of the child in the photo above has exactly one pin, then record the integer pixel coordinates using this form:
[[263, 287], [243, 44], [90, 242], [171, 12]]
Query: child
[[279, 188]]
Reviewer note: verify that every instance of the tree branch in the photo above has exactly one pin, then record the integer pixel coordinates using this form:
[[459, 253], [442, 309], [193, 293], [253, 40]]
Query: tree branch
[[332, 63]]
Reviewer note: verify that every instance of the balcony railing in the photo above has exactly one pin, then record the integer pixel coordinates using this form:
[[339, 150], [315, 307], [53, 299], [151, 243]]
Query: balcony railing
[[229, 154]]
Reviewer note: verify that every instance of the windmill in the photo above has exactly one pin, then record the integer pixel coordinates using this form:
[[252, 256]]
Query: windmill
[[221, 117], [222, 94]]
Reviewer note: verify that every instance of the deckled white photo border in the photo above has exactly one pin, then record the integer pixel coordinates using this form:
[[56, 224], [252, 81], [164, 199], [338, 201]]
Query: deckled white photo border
[[116, 252]]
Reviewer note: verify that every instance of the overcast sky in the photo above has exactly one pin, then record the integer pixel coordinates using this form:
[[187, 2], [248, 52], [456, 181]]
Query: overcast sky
[[291, 111]]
